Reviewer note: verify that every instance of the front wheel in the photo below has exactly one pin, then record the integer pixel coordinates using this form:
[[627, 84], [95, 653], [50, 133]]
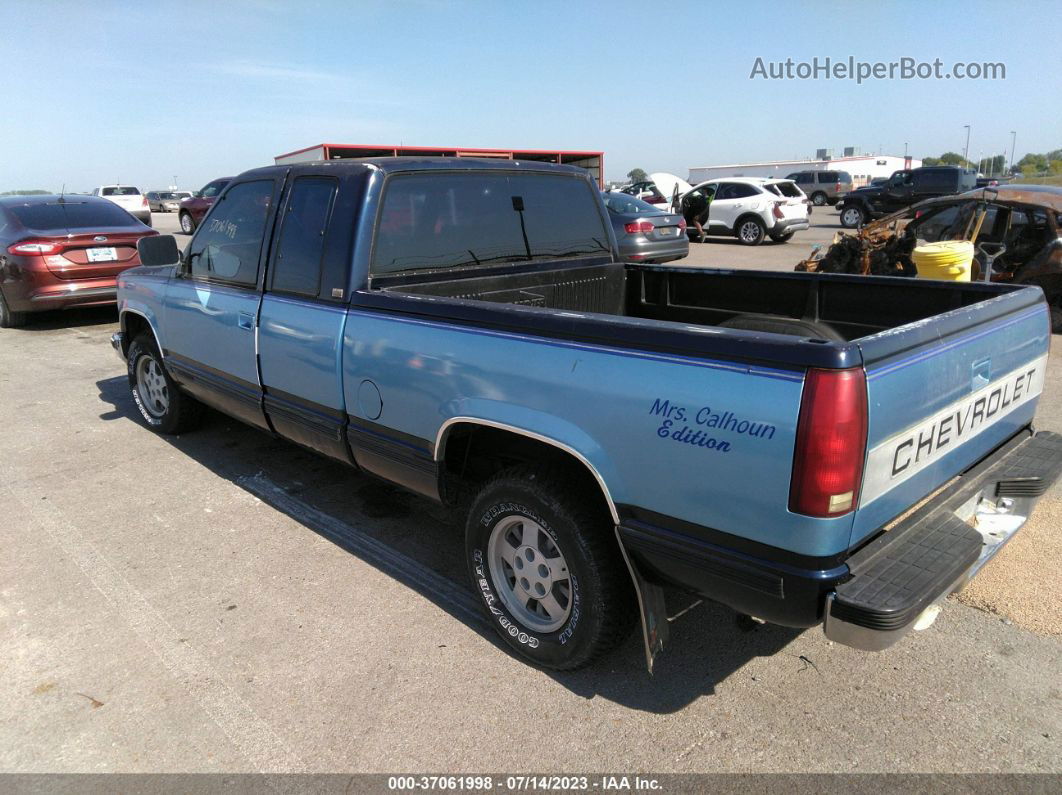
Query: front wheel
[[546, 563], [751, 232], [160, 401], [852, 217], [187, 224]]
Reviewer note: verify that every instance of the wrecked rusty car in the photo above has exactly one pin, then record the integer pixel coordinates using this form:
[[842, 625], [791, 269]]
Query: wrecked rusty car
[[1019, 234]]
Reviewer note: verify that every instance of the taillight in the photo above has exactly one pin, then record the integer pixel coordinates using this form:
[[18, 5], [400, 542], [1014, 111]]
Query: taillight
[[34, 248], [918, 214], [682, 225], [143, 201], [636, 227], [777, 210], [831, 443]]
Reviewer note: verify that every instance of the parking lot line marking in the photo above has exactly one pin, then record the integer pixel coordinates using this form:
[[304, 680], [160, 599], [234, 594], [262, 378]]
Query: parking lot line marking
[[441, 590], [249, 733]]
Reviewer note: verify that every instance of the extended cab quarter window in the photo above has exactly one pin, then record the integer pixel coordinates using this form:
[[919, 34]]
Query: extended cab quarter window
[[297, 268], [446, 220], [227, 245]]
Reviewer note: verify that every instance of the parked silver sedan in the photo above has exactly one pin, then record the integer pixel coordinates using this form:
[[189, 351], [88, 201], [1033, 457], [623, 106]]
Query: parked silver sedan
[[166, 201], [644, 232]]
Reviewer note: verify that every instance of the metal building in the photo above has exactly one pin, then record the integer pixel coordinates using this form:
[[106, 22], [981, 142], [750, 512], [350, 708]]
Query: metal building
[[591, 161], [863, 168]]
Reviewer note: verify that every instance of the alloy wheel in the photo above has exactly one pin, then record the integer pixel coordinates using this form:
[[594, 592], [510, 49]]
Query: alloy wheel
[[530, 574], [151, 386]]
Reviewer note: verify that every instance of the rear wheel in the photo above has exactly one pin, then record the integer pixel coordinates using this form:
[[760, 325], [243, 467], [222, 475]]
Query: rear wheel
[[160, 401], [852, 217], [818, 199], [545, 562], [187, 224], [751, 231], [9, 319]]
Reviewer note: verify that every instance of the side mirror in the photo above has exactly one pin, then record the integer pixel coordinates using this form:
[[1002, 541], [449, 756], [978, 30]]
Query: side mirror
[[158, 250]]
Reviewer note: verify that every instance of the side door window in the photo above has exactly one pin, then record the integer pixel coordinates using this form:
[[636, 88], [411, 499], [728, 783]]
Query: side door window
[[296, 268], [228, 246]]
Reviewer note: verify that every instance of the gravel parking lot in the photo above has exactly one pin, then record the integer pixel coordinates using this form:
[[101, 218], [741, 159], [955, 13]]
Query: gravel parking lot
[[223, 601]]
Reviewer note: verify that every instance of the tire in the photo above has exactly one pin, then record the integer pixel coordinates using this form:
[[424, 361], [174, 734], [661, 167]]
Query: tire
[[852, 217], [530, 525], [785, 237], [162, 404], [751, 231], [819, 199], [187, 223], [9, 319]]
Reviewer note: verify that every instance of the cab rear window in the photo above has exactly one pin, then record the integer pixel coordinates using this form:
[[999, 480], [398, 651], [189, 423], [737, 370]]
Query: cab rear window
[[72, 215], [120, 190], [434, 221]]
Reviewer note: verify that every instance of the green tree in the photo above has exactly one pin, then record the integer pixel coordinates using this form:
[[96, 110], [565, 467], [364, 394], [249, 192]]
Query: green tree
[[637, 175], [24, 193], [952, 159], [1032, 164]]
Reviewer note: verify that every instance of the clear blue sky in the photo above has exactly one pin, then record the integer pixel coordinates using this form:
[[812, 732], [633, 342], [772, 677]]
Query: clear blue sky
[[140, 91]]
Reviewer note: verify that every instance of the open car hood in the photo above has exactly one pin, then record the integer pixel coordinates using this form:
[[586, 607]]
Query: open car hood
[[665, 183]]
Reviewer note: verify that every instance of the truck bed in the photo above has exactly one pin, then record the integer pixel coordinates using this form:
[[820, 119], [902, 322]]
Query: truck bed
[[845, 306]]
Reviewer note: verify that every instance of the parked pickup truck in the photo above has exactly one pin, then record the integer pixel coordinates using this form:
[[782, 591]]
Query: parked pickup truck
[[466, 330], [903, 189]]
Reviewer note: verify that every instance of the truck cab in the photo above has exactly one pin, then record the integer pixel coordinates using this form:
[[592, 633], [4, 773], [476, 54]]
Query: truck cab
[[903, 188]]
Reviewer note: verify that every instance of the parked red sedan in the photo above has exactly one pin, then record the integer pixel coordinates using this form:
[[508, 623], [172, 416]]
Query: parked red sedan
[[194, 208], [62, 251]]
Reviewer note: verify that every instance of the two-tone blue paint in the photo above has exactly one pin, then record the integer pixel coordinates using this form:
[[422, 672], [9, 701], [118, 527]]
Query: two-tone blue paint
[[310, 360]]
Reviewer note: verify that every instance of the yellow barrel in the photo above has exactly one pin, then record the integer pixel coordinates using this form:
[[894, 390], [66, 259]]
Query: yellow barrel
[[948, 259]]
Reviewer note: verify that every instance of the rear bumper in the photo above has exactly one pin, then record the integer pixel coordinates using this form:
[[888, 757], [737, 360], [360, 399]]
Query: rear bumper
[[940, 547], [655, 250], [871, 598], [25, 297], [793, 225]]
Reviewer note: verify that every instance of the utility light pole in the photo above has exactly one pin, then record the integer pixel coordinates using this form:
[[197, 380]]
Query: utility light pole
[[1013, 138], [966, 149]]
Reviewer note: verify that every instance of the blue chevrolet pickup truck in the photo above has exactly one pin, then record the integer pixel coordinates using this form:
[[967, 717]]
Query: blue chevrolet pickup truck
[[806, 448]]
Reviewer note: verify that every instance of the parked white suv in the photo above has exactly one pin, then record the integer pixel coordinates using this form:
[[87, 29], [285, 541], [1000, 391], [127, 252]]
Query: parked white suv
[[129, 198], [748, 208]]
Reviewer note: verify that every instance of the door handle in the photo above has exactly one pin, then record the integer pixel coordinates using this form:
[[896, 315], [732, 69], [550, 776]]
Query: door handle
[[246, 321]]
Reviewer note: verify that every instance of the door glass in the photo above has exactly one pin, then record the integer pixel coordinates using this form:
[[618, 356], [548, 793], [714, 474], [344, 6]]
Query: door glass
[[226, 248], [297, 268]]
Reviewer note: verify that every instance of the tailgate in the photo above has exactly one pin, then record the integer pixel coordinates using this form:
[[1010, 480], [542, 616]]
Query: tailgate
[[945, 392], [794, 209]]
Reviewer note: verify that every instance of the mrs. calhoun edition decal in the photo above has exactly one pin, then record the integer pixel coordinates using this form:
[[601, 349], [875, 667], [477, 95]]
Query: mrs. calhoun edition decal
[[909, 452], [698, 428]]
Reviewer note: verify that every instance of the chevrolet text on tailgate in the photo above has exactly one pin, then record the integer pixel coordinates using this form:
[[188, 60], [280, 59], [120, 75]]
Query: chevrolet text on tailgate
[[806, 448]]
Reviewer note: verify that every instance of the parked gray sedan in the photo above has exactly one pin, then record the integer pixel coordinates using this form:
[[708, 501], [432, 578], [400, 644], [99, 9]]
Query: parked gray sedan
[[645, 233]]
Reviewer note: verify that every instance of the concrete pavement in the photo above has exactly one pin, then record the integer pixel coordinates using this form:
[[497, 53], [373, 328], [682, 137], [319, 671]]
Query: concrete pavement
[[227, 602]]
